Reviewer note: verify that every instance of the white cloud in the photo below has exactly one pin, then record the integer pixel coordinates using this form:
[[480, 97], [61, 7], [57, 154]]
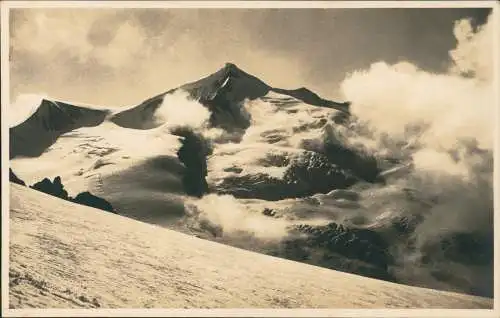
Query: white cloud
[[392, 97], [126, 45], [474, 51], [50, 33], [178, 110]]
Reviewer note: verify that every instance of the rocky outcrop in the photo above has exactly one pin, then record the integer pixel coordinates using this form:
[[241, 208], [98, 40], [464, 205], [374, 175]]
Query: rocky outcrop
[[88, 199], [338, 247], [470, 249], [308, 174], [362, 165], [14, 178], [362, 244], [193, 154], [56, 188], [314, 173], [312, 98]]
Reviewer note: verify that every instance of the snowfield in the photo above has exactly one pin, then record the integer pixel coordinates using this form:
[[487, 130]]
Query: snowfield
[[64, 255]]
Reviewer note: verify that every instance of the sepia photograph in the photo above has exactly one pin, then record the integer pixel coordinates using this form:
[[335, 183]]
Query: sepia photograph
[[249, 158]]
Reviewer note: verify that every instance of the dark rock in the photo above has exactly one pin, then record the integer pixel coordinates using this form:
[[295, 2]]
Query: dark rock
[[233, 169], [465, 248], [193, 154], [214, 229], [14, 178], [53, 188], [274, 160], [255, 186], [472, 249], [313, 173], [407, 224], [88, 199], [340, 118], [361, 165], [306, 175], [309, 126], [56, 188], [364, 245], [295, 250], [312, 98], [337, 247], [269, 212]]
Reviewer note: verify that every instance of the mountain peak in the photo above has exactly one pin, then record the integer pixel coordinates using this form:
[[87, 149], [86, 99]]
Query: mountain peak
[[232, 70], [303, 90], [230, 78], [224, 90], [231, 66]]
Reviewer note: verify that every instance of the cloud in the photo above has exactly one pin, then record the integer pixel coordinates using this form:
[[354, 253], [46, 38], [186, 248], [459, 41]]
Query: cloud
[[444, 123], [235, 217], [85, 34], [451, 106], [474, 52], [394, 97], [126, 45], [179, 110], [124, 56]]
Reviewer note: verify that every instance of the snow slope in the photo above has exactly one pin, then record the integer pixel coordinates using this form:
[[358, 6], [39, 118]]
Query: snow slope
[[55, 263], [136, 170]]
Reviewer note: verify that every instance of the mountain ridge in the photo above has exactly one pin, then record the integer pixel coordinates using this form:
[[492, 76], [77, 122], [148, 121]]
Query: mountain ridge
[[50, 120], [232, 70], [221, 91]]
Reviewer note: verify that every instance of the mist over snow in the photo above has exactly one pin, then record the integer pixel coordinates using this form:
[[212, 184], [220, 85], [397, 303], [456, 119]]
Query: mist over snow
[[444, 124], [178, 110], [234, 217]]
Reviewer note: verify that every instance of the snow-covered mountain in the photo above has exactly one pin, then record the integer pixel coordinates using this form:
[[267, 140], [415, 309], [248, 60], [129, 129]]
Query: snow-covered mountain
[[222, 92], [281, 172]]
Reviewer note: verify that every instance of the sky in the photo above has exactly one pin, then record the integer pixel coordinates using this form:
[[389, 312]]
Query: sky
[[120, 57]]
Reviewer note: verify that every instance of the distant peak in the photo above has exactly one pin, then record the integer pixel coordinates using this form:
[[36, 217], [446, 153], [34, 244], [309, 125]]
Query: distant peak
[[304, 92], [302, 89], [229, 65], [232, 69]]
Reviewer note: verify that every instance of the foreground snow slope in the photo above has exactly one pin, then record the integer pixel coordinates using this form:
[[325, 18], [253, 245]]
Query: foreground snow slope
[[64, 255]]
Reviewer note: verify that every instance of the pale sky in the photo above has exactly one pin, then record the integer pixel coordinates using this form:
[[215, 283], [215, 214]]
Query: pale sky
[[115, 57]]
